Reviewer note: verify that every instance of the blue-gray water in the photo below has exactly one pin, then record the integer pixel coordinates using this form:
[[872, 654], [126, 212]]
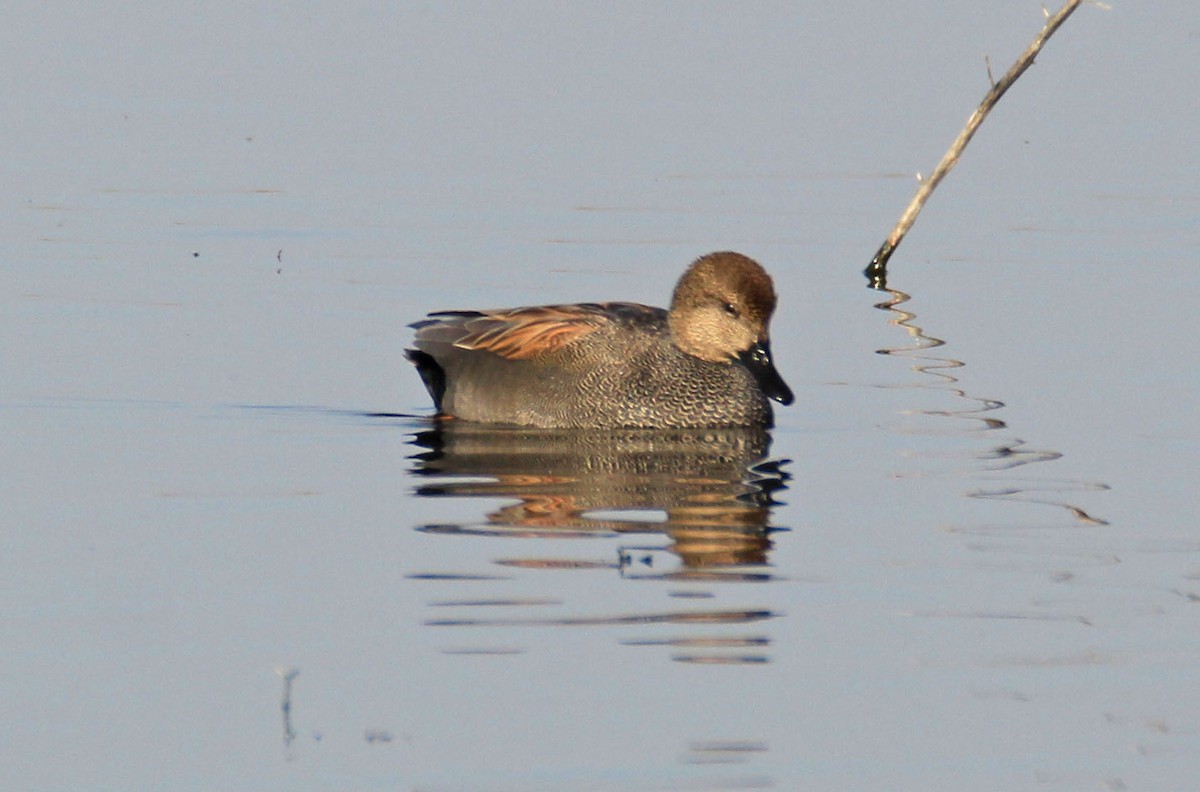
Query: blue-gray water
[[978, 567]]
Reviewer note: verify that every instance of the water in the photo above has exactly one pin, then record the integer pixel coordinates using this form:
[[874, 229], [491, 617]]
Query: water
[[234, 556]]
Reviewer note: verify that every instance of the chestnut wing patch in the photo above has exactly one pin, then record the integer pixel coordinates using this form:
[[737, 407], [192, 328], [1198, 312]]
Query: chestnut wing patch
[[518, 333]]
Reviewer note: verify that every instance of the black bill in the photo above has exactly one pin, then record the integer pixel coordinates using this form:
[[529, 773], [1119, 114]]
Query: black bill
[[758, 360]]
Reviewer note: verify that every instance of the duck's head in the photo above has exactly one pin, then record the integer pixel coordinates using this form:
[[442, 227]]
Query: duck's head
[[721, 312]]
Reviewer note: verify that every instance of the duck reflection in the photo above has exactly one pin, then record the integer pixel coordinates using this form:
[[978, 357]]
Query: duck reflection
[[710, 491]]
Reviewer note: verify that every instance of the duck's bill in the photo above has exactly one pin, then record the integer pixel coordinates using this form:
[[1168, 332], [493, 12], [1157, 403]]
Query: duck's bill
[[758, 360]]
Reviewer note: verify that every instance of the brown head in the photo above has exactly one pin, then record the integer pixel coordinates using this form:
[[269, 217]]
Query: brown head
[[721, 311]]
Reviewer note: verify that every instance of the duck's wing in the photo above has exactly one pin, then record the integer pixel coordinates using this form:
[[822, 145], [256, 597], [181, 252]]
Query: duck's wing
[[514, 333]]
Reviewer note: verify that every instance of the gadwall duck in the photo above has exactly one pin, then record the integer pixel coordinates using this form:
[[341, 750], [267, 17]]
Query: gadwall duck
[[706, 362]]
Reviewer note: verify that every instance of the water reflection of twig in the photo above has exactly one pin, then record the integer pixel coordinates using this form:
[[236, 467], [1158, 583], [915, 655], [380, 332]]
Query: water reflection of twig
[[1005, 455]]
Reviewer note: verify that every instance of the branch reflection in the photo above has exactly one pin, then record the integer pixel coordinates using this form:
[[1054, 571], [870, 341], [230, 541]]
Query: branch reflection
[[1004, 454]]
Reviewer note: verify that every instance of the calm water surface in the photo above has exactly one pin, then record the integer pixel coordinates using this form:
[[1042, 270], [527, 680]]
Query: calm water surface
[[236, 554]]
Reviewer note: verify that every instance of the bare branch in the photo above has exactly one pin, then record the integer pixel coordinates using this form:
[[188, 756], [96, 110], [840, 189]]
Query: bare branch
[[876, 271]]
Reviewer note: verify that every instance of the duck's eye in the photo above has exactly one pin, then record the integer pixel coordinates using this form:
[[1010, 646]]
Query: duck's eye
[[731, 309]]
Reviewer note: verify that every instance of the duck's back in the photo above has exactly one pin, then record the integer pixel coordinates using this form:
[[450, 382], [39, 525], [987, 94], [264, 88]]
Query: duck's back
[[592, 365]]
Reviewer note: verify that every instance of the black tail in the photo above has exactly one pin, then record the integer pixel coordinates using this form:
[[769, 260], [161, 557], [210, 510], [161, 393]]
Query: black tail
[[432, 374]]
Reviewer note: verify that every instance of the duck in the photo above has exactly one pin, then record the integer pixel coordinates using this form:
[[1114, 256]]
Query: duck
[[704, 362]]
